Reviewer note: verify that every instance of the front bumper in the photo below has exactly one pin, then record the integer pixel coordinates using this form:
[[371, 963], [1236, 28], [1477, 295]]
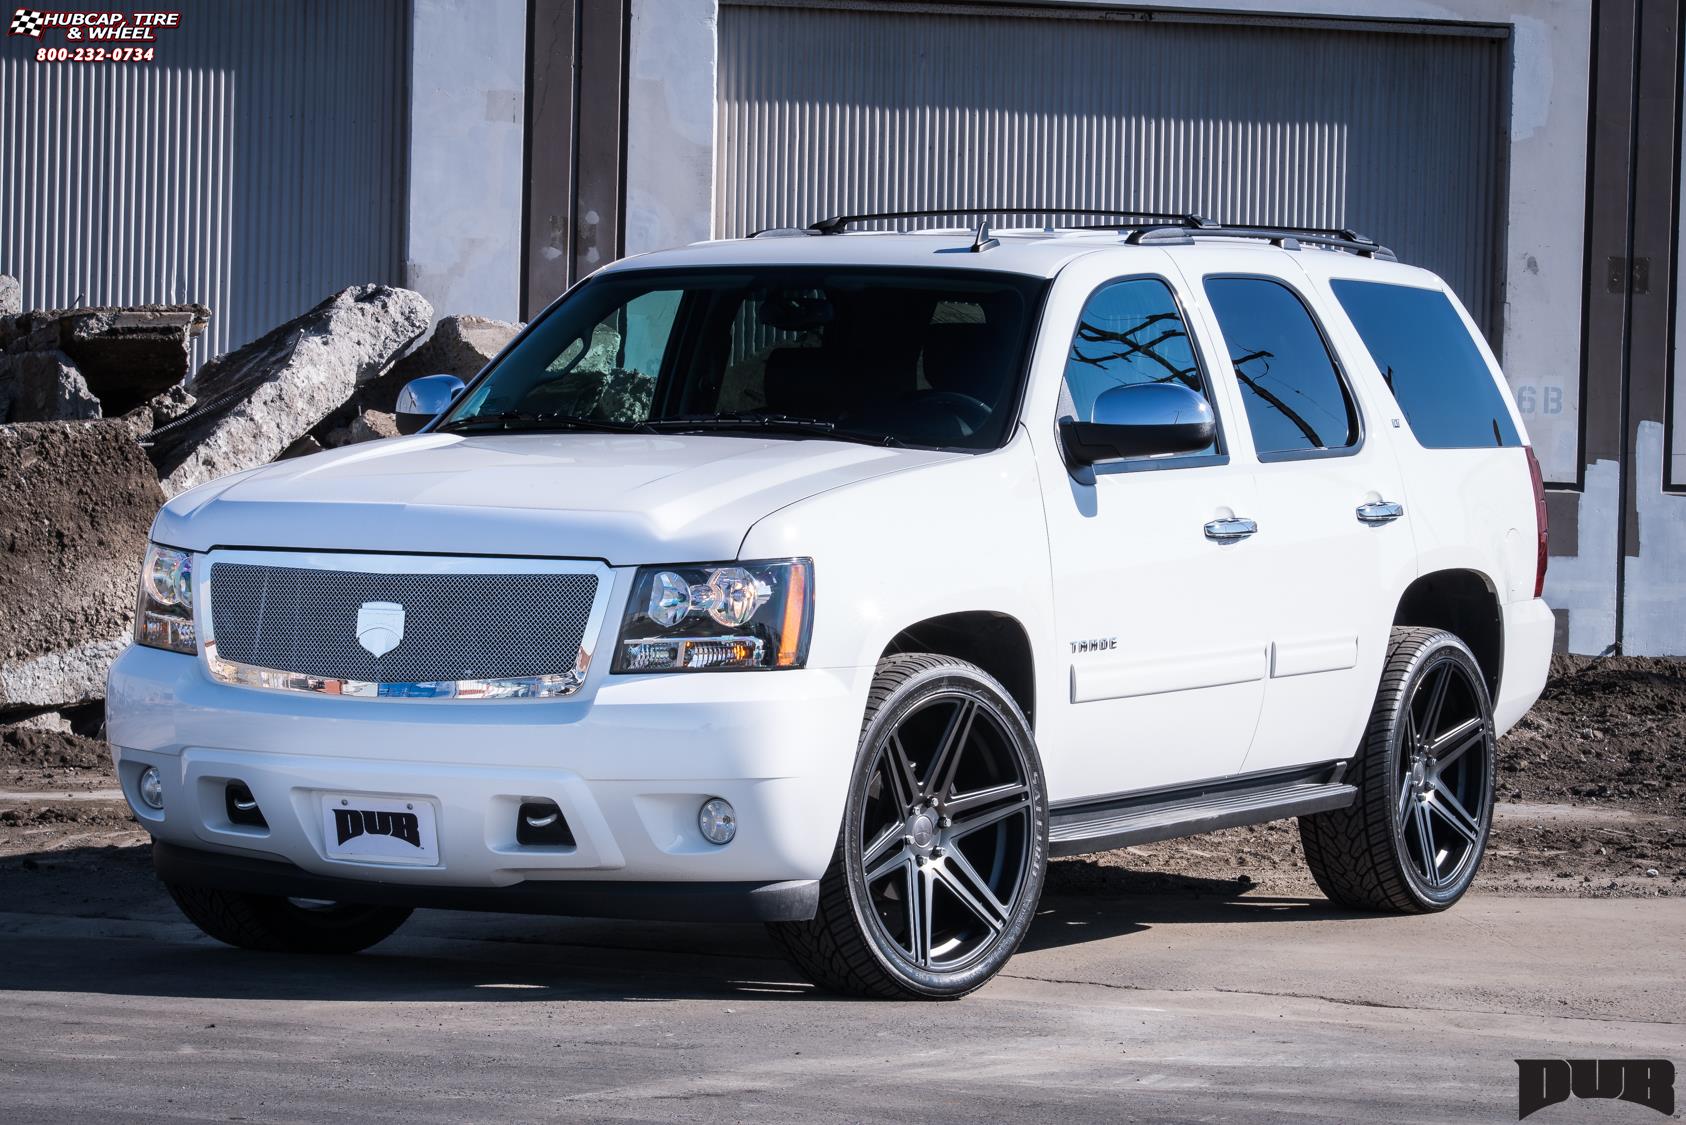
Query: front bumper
[[629, 760], [791, 901]]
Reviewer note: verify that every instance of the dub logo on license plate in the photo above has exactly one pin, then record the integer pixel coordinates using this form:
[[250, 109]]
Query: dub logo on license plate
[[380, 829]]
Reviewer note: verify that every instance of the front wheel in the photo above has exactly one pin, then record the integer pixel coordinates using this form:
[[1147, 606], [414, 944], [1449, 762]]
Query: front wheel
[[1413, 839], [944, 843], [286, 925]]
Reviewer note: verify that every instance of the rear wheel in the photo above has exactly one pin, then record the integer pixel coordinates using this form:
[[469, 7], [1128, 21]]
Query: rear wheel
[[943, 848], [286, 925], [1413, 840]]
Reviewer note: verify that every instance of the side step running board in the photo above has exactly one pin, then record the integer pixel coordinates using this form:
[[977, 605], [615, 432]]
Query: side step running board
[[1144, 818]]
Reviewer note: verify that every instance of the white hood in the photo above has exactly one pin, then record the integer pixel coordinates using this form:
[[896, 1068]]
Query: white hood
[[623, 498]]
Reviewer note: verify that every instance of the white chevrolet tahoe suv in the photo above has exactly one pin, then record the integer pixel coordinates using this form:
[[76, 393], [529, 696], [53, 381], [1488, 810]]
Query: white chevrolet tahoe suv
[[839, 580]]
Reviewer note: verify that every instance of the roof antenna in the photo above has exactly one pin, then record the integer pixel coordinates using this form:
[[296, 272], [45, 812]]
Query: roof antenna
[[983, 241]]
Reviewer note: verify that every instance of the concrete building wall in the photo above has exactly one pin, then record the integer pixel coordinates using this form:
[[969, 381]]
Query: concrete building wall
[[672, 67], [467, 129]]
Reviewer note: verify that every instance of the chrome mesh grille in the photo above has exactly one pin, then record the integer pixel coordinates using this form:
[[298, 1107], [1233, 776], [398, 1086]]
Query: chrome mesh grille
[[456, 626]]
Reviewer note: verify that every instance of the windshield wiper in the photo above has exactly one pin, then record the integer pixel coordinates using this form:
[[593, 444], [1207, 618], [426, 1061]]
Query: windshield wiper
[[785, 422], [526, 420]]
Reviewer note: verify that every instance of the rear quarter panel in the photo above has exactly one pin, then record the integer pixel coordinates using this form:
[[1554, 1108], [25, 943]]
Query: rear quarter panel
[[1469, 509]]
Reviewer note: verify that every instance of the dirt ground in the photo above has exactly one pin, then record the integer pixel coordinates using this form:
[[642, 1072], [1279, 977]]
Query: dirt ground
[[1591, 790]]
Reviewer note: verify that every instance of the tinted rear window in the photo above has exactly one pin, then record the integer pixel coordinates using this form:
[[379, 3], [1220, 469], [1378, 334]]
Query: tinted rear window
[[1431, 363]]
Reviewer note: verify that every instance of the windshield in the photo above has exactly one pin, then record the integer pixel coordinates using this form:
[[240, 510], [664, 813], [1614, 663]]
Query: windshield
[[897, 357]]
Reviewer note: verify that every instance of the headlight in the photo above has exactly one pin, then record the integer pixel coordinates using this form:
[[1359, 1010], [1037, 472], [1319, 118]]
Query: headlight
[[717, 618], [164, 614]]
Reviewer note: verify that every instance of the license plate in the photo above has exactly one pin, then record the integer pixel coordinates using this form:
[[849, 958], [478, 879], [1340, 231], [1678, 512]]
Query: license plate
[[380, 829]]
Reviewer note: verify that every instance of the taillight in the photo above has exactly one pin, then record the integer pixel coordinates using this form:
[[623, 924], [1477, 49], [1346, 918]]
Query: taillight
[[1539, 516]]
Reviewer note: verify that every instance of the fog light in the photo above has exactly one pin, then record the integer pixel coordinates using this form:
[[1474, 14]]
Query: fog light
[[717, 821], [151, 788]]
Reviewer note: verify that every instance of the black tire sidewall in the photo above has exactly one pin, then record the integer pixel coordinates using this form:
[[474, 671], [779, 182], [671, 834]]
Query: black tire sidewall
[[1434, 652], [950, 676]]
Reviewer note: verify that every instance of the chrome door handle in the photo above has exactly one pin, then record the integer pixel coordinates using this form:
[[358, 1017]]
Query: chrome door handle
[[1382, 511], [1231, 529]]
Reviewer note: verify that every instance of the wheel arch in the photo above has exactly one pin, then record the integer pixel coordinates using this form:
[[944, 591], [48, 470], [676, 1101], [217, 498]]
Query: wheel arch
[[1465, 603], [996, 642]]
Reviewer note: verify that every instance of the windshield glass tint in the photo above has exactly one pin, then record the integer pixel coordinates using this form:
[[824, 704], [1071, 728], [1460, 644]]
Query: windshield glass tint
[[915, 357]]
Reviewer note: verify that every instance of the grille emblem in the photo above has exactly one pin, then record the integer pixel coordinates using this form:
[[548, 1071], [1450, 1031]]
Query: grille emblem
[[380, 626]]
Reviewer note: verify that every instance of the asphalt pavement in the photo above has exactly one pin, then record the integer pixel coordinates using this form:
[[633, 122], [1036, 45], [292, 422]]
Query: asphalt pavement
[[1198, 1006]]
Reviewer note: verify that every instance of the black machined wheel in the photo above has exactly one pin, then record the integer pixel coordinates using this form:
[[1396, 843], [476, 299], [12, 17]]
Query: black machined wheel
[[944, 835], [943, 846], [1444, 777], [1414, 838]]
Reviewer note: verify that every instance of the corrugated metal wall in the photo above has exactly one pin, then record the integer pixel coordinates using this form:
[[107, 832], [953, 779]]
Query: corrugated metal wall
[[1396, 134], [256, 165]]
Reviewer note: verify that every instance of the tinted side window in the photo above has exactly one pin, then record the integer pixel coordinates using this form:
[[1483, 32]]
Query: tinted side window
[[1296, 402], [1129, 332], [1436, 372]]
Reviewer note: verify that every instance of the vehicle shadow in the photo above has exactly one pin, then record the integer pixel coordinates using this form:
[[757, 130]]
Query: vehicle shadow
[[1086, 900], [95, 920]]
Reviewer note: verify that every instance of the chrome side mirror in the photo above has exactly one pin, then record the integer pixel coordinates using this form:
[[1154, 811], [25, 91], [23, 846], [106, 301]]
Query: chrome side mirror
[[1141, 420], [422, 400]]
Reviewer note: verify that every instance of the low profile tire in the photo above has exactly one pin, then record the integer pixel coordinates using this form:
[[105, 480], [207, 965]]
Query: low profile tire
[[283, 925], [944, 844], [1414, 838]]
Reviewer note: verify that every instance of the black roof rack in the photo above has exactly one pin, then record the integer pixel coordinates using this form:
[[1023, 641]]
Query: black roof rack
[[1289, 238], [1161, 227], [837, 223]]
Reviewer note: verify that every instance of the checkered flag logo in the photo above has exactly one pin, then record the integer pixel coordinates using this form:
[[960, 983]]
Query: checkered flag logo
[[26, 21]]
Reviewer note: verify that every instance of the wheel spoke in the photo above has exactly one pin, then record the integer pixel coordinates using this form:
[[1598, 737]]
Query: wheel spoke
[[1425, 841], [919, 913], [1016, 792], [1450, 746], [883, 844], [1436, 701], [946, 760], [887, 866], [1406, 792], [957, 875], [1452, 811], [900, 769]]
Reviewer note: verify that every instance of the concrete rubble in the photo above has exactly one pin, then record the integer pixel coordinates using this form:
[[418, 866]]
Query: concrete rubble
[[257, 400], [44, 386], [126, 355], [460, 346], [99, 425]]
